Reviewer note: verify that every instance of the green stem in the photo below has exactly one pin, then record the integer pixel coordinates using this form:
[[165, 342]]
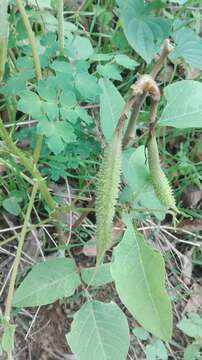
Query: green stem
[[29, 166], [60, 17], [37, 66], [4, 28], [31, 37], [18, 254]]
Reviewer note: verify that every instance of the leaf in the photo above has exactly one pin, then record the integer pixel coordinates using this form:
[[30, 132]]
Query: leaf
[[111, 106], [87, 86], [192, 352], [156, 350], [188, 46], [30, 103], [83, 48], [141, 333], [125, 61], [97, 277], [109, 71], [144, 32], [11, 204], [139, 273], [65, 131], [7, 341], [184, 105], [191, 326], [138, 178], [99, 331], [47, 282]]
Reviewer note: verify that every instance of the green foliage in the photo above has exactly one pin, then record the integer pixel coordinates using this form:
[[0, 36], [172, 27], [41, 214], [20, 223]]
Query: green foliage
[[184, 107], [11, 204], [140, 187], [97, 277], [188, 46], [144, 31], [138, 272], [192, 352], [47, 282], [99, 331], [191, 325], [111, 106], [156, 350]]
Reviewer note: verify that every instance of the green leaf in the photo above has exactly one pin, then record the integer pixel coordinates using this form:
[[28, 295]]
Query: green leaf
[[65, 131], [139, 273], [109, 71], [141, 333], [7, 341], [126, 61], [111, 106], [192, 352], [138, 178], [11, 204], [47, 282], [97, 277], [184, 105], [87, 86], [30, 103], [192, 325], [156, 350], [99, 331], [144, 32], [82, 47], [55, 143], [188, 46]]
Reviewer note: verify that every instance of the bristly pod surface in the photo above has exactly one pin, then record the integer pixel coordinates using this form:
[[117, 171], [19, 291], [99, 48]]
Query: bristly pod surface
[[160, 182], [107, 193]]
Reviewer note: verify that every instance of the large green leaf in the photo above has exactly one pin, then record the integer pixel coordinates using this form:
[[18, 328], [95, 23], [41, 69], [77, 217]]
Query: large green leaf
[[144, 31], [99, 331], [111, 106], [139, 273], [47, 282], [184, 105], [188, 46]]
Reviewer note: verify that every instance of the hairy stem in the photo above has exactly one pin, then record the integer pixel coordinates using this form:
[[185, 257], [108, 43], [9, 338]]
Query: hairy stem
[[60, 17], [18, 254]]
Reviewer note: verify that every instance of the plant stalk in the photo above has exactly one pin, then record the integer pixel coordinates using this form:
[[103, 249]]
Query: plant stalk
[[18, 254]]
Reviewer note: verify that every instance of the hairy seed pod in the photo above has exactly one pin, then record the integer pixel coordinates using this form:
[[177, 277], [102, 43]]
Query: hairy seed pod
[[160, 182], [106, 196]]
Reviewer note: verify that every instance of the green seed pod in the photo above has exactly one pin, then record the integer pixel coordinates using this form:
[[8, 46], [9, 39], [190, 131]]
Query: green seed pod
[[160, 182], [107, 193]]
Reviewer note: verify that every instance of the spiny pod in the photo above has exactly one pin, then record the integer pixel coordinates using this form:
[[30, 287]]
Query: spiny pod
[[160, 182], [107, 193], [3, 36]]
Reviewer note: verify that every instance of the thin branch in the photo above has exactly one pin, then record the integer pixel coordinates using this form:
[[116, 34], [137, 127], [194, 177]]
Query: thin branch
[[9, 299], [140, 97]]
